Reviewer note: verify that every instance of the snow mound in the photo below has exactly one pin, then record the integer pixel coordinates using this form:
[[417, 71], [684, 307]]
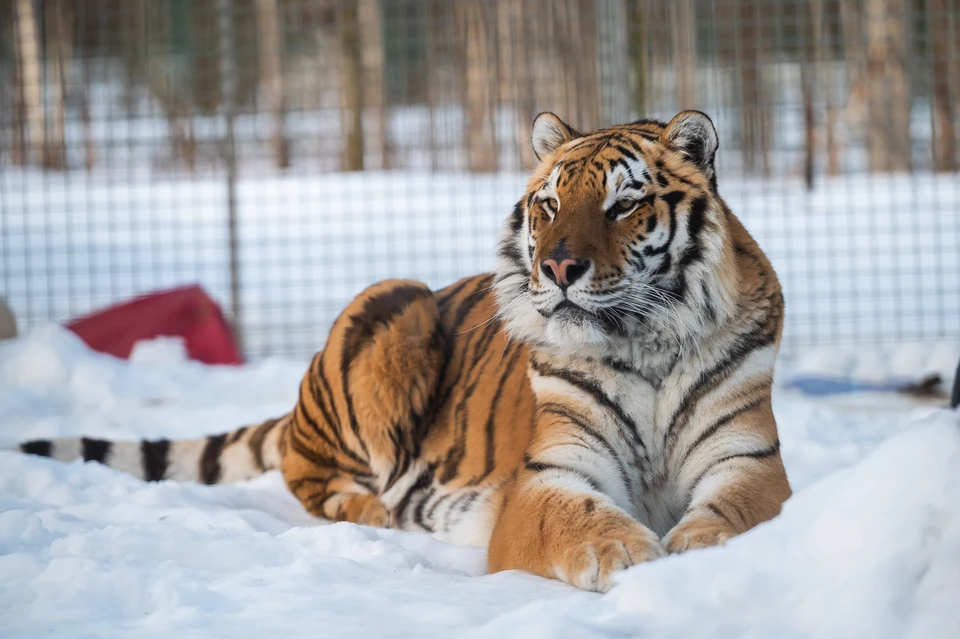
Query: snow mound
[[872, 551], [869, 546]]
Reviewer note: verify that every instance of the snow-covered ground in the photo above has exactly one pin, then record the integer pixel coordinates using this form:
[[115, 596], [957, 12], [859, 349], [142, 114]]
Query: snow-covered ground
[[869, 546]]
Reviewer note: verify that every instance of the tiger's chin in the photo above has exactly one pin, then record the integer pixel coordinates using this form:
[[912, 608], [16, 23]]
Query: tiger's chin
[[574, 329]]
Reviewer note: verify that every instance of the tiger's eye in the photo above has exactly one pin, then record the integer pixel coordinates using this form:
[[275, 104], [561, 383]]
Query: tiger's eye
[[622, 208]]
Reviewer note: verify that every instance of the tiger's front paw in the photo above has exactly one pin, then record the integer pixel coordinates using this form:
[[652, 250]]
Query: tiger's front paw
[[698, 531], [366, 510], [591, 564]]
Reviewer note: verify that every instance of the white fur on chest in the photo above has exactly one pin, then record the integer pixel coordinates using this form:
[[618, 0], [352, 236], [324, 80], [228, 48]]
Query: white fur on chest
[[646, 405]]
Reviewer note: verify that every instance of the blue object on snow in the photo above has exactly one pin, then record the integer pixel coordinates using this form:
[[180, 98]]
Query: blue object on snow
[[813, 385]]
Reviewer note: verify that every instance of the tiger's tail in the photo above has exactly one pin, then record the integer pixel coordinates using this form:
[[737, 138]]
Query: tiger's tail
[[216, 459]]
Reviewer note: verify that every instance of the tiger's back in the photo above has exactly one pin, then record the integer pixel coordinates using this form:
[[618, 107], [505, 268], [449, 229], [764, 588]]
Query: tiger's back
[[414, 414]]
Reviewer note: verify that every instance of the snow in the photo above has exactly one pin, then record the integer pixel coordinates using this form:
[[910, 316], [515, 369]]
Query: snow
[[869, 546]]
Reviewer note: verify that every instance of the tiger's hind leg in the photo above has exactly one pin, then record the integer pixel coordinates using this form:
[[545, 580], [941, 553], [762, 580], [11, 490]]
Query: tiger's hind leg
[[365, 404]]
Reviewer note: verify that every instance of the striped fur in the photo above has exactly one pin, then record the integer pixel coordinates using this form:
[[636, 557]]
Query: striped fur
[[576, 425]]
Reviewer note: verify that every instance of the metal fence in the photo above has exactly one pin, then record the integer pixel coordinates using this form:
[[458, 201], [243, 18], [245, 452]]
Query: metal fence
[[286, 153]]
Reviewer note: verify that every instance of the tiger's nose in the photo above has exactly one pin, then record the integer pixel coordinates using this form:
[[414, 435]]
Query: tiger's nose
[[564, 272]]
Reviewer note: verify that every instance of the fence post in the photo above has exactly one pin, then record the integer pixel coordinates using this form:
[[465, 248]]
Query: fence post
[[228, 89]]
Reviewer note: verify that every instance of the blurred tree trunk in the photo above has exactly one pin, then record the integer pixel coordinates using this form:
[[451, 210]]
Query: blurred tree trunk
[[639, 16], [613, 61], [825, 44], [683, 23], [515, 67], [888, 87], [944, 36], [480, 74], [808, 26], [575, 42], [31, 90], [59, 28], [754, 120], [433, 63], [854, 51], [375, 89], [269, 29], [351, 86]]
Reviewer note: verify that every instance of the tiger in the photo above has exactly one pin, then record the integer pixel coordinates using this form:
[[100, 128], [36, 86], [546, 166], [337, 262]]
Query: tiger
[[602, 398]]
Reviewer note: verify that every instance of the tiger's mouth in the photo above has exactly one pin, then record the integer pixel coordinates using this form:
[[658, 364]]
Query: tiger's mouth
[[566, 309], [568, 312]]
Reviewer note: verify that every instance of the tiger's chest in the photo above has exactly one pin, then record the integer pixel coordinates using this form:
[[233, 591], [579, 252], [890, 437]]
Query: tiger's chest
[[634, 412]]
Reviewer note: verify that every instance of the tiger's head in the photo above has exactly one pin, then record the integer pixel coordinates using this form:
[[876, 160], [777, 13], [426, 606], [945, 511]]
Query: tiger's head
[[621, 236]]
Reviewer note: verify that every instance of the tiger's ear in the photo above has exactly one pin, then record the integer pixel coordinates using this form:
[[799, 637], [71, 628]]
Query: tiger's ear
[[549, 134], [692, 134]]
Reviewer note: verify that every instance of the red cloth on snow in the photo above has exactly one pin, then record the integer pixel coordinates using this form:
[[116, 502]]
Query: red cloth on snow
[[187, 312]]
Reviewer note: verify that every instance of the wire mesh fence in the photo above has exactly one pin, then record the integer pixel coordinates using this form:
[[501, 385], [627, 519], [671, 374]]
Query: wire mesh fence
[[286, 153]]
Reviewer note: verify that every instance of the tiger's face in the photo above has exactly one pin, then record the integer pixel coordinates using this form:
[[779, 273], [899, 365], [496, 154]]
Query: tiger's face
[[619, 236]]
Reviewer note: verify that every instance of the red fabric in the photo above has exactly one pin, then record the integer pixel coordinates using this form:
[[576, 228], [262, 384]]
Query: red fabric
[[187, 312]]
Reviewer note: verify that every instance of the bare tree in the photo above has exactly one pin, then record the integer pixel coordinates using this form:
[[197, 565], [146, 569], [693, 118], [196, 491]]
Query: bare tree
[[944, 49], [575, 38], [754, 120], [375, 88], [639, 16], [825, 42], [888, 88], [351, 86], [271, 77], [683, 24], [29, 76], [516, 64], [480, 85], [854, 47], [808, 23], [59, 28]]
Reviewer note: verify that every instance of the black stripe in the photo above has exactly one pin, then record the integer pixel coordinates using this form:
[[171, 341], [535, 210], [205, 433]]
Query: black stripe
[[318, 399], [738, 352], [460, 505], [481, 357], [673, 198], [154, 456], [255, 443], [319, 482], [210, 459], [539, 467], [423, 480], [693, 252], [516, 217], [707, 301], [711, 430], [624, 151], [41, 447], [451, 291], [756, 454], [593, 389], [436, 504], [489, 428], [579, 422], [321, 460], [95, 449], [236, 435], [719, 513]]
